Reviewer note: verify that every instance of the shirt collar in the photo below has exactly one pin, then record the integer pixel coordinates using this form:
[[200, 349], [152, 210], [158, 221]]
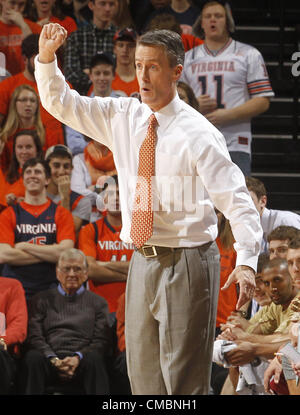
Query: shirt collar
[[62, 291], [165, 115]]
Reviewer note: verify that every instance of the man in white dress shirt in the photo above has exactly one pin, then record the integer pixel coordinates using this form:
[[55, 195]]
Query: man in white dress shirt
[[173, 284]]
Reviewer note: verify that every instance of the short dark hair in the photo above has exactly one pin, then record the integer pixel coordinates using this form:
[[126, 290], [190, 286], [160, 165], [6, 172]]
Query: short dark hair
[[164, 21], [58, 150], [275, 262], [30, 45], [193, 102], [103, 58], [256, 186], [33, 162], [169, 40], [281, 233], [262, 260], [294, 243], [110, 180]]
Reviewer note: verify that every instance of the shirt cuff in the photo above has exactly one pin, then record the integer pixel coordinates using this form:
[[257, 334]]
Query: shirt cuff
[[45, 69], [247, 258], [79, 354]]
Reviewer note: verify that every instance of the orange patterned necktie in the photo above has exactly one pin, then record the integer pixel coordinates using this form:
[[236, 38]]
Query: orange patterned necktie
[[142, 215]]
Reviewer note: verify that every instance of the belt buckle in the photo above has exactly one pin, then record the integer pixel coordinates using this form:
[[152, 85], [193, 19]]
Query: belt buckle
[[152, 253]]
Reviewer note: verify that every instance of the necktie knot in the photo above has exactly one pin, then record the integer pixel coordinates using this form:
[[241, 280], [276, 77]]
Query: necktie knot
[[152, 121]]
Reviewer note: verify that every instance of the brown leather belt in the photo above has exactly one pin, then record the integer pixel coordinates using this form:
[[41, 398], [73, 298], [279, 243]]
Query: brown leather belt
[[151, 251]]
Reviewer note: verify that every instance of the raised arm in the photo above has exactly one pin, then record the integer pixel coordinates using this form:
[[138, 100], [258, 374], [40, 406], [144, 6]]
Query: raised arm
[[90, 116]]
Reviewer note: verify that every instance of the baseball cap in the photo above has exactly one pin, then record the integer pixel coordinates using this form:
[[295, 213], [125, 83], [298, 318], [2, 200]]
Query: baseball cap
[[58, 149], [126, 34]]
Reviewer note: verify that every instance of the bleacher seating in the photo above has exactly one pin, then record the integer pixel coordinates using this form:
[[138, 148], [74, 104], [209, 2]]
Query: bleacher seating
[[272, 26]]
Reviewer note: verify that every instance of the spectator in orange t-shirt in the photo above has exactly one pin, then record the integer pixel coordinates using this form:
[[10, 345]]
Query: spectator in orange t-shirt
[[107, 255], [26, 145], [55, 133], [49, 11], [124, 49], [124, 82], [13, 29]]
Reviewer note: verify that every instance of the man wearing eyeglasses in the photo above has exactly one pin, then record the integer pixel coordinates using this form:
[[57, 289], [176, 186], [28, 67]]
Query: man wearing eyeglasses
[[68, 333]]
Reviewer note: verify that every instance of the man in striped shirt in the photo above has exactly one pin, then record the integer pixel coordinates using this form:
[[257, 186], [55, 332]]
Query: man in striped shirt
[[85, 42], [230, 80]]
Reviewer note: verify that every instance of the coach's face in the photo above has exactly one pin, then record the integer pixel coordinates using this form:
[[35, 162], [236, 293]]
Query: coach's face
[[157, 79]]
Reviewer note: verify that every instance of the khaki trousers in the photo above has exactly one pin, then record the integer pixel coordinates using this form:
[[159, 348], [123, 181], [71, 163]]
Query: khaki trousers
[[171, 303]]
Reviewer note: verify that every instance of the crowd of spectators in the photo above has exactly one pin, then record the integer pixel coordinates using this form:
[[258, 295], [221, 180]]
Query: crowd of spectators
[[63, 264]]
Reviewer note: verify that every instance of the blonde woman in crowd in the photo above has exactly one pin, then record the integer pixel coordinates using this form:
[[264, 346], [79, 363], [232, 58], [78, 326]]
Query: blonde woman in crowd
[[23, 113]]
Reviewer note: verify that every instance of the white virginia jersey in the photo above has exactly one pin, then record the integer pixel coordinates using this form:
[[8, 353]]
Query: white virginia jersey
[[232, 76]]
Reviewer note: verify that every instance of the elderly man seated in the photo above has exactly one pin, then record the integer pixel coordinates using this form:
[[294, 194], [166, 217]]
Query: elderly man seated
[[68, 332]]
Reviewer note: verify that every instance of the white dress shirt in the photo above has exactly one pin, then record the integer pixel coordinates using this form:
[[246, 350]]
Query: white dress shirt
[[190, 151]]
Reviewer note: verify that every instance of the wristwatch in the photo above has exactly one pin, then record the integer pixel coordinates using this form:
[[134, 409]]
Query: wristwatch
[[242, 313], [2, 344], [54, 360]]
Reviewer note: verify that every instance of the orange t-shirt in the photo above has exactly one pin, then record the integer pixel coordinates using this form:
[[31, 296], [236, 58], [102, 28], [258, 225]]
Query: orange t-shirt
[[130, 88], [190, 41], [228, 298], [109, 247], [68, 23], [17, 188], [11, 38], [63, 220], [55, 133]]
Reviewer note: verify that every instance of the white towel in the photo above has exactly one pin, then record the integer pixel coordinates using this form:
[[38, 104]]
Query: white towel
[[251, 375]]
